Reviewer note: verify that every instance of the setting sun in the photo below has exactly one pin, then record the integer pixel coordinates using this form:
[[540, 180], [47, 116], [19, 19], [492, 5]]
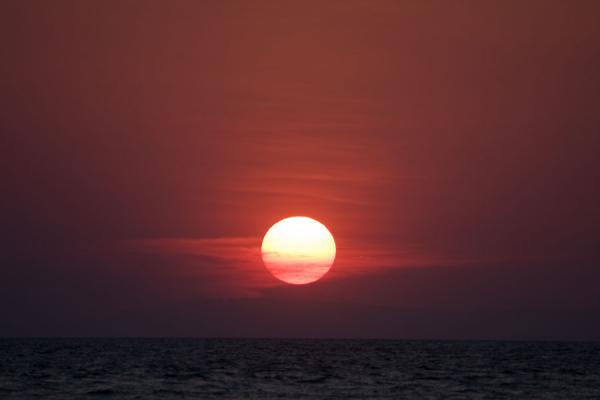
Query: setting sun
[[298, 250]]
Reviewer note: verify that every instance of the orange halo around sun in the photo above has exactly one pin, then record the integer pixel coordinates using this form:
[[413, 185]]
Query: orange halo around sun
[[298, 250]]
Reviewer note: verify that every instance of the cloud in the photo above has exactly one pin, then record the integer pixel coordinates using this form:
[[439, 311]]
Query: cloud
[[232, 265], [236, 261]]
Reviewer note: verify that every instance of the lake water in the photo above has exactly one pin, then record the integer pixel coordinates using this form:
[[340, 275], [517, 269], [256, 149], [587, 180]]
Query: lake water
[[297, 368]]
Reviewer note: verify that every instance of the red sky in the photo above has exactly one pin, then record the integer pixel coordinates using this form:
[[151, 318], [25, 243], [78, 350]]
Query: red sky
[[450, 147]]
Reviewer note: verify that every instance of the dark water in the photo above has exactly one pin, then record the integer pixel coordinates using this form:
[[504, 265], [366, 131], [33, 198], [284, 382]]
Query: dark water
[[270, 368]]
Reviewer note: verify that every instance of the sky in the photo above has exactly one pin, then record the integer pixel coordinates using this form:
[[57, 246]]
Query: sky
[[450, 147]]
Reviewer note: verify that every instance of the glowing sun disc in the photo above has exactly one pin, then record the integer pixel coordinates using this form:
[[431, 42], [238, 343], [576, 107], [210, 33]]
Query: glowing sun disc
[[298, 250]]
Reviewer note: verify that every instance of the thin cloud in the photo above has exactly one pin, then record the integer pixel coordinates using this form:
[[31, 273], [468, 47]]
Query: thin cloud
[[238, 259]]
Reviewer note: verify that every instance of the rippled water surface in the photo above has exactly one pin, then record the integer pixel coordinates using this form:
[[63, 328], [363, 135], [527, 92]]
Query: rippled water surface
[[271, 368]]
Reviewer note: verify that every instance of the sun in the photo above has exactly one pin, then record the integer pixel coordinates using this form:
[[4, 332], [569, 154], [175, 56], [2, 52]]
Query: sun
[[298, 250]]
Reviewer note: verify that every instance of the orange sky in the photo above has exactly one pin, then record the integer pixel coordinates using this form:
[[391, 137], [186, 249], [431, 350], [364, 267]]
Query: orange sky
[[147, 147]]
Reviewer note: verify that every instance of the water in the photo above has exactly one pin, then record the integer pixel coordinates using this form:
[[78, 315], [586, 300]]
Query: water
[[272, 368]]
